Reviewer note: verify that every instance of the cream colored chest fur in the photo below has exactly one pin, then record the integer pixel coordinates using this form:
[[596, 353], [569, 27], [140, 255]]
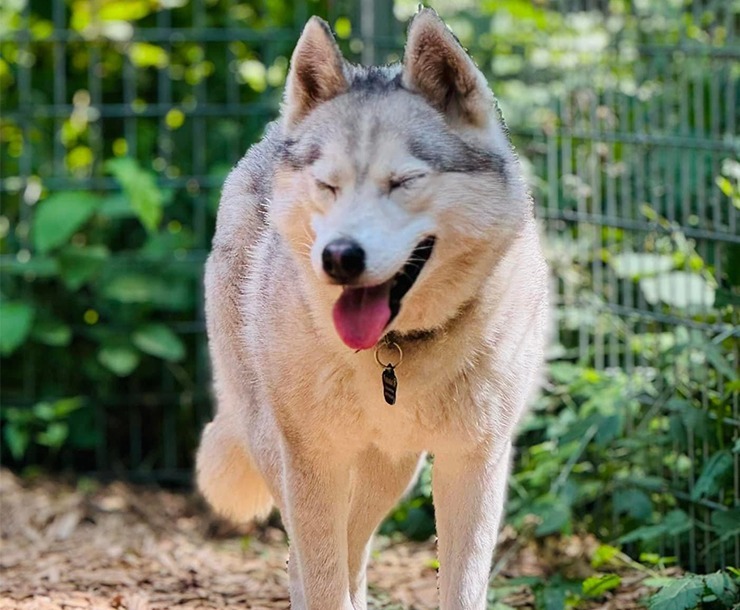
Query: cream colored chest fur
[[463, 385]]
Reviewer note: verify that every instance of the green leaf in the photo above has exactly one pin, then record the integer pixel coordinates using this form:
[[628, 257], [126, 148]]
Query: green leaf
[[555, 592], [638, 264], [655, 559], [609, 428], [725, 185], [682, 594], [674, 523], [15, 325], [159, 340], [723, 587], [596, 586], [17, 415], [694, 420], [565, 372], [17, 438], [120, 360], [712, 475], [146, 55], [677, 522], [171, 293], [678, 289], [553, 597], [658, 582], [727, 522], [141, 188], [54, 435], [604, 555], [44, 411], [66, 406], [58, 217], [123, 10], [129, 288], [80, 264], [633, 502], [554, 514], [52, 332], [717, 358]]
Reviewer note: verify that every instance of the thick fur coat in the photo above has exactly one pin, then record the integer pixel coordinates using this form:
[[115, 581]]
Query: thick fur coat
[[386, 157]]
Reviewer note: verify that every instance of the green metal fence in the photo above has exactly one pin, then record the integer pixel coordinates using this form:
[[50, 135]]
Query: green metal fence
[[627, 127]]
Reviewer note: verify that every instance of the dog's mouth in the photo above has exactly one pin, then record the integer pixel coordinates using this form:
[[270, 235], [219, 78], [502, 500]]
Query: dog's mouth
[[362, 313]]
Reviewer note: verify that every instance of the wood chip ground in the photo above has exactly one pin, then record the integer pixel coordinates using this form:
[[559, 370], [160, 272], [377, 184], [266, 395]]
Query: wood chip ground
[[124, 547]]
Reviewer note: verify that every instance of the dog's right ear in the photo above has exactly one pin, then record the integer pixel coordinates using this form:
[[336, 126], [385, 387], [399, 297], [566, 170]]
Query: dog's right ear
[[316, 72]]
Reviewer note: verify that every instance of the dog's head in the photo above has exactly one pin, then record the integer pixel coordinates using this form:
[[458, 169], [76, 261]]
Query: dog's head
[[397, 183]]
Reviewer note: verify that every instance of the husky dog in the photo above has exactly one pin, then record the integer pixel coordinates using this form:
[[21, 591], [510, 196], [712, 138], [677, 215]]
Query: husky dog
[[376, 291]]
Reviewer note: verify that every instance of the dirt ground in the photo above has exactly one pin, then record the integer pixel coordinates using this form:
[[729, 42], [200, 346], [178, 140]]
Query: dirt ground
[[123, 547]]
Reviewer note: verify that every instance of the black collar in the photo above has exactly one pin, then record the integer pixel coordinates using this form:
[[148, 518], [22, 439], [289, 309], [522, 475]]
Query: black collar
[[429, 334], [412, 336]]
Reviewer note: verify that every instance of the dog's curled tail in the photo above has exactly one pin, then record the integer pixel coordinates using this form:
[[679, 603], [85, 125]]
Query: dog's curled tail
[[228, 478]]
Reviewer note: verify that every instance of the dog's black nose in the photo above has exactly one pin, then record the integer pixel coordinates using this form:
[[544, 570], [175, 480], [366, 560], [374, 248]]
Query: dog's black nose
[[343, 260]]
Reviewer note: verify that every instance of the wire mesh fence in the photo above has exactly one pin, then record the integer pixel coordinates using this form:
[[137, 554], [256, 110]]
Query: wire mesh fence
[[627, 126]]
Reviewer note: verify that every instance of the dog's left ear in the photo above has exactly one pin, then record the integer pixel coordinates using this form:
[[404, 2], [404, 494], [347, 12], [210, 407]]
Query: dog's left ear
[[316, 71], [436, 65]]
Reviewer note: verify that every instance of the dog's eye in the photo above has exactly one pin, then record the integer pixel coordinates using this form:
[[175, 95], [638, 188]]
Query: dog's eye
[[403, 181], [324, 186]]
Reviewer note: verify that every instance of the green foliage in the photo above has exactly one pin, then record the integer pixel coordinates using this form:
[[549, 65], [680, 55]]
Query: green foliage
[[725, 586], [158, 340], [681, 594], [727, 523], [712, 477], [718, 590], [105, 309], [15, 320], [141, 189], [58, 217], [46, 424], [596, 586], [414, 518], [119, 359]]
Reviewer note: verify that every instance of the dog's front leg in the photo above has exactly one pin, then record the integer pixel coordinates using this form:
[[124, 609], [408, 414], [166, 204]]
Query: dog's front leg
[[316, 507], [469, 490]]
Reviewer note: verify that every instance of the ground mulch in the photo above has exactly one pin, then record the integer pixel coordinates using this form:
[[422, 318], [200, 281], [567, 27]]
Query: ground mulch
[[125, 547]]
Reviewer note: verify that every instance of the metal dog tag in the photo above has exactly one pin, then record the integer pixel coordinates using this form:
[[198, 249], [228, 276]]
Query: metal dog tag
[[390, 384]]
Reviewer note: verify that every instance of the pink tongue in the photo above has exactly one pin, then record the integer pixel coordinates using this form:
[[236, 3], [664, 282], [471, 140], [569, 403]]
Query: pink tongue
[[361, 315]]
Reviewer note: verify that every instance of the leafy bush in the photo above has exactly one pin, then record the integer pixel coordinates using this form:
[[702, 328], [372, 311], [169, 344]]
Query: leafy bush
[[117, 307], [718, 590]]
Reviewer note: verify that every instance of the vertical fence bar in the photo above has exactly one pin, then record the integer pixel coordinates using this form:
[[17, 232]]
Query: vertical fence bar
[[594, 171], [25, 171], [367, 31], [60, 82]]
